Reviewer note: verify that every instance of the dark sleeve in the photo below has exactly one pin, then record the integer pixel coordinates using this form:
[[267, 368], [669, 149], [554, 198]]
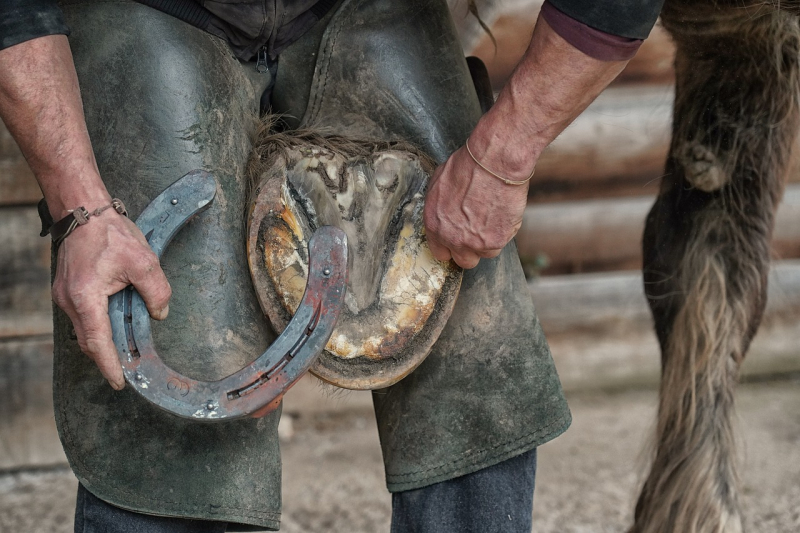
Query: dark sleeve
[[592, 42], [23, 20], [625, 18]]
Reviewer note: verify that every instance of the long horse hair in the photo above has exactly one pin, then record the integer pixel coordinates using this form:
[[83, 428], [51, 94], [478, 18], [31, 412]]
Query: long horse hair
[[706, 246]]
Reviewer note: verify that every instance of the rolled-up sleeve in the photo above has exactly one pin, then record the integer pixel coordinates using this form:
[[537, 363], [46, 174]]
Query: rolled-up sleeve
[[625, 18], [23, 20]]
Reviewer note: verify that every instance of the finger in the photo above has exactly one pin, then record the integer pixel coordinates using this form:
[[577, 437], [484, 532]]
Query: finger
[[439, 251], [488, 254], [93, 329], [437, 174], [152, 284], [466, 259]]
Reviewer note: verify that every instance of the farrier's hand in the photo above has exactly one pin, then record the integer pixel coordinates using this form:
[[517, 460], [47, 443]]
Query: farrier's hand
[[470, 214], [41, 106], [99, 259]]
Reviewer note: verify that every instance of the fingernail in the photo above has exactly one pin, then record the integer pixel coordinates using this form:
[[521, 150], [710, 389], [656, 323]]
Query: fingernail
[[162, 313], [117, 385]]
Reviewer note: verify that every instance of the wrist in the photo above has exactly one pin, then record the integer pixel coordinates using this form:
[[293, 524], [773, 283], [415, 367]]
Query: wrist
[[495, 175], [64, 195], [61, 229], [505, 149]]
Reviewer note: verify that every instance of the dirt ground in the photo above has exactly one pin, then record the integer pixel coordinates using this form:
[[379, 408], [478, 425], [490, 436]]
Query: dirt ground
[[587, 479]]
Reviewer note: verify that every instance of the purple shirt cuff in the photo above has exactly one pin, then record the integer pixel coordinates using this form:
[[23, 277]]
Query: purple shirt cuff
[[594, 43]]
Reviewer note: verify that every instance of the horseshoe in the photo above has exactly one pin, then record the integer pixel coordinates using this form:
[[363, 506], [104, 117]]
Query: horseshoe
[[257, 388]]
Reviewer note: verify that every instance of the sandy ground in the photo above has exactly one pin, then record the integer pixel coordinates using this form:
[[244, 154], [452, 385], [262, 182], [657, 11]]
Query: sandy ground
[[587, 480]]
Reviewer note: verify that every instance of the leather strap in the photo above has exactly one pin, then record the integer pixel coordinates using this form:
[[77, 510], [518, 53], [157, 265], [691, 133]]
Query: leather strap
[[61, 229]]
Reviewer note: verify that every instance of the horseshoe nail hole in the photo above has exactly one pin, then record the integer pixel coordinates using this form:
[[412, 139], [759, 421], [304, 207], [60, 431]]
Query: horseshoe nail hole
[[138, 377], [210, 406], [174, 201], [326, 272]]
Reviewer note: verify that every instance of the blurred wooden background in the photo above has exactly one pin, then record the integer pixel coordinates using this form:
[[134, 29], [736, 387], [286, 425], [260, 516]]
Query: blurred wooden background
[[580, 244]]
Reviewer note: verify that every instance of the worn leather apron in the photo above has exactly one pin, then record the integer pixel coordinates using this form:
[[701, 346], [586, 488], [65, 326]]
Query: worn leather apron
[[162, 98], [489, 390]]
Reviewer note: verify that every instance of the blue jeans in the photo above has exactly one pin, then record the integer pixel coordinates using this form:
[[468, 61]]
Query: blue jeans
[[497, 499]]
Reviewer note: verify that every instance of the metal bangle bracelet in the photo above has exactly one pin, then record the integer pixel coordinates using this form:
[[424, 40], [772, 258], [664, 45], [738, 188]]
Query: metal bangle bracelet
[[498, 176]]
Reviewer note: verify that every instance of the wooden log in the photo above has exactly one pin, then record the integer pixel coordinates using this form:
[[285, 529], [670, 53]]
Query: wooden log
[[653, 63], [616, 147], [600, 330], [28, 436], [25, 307], [584, 236], [786, 237], [605, 235], [615, 301], [512, 32], [17, 184]]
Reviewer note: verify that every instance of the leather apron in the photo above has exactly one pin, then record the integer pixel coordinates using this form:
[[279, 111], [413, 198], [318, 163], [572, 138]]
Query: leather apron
[[489, 390], [162, 98]]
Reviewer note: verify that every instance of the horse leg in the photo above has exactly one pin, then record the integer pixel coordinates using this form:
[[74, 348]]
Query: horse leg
[[706, 247]]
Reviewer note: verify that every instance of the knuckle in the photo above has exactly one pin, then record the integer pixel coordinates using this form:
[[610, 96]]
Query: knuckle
[[59, 295], [495, 241], [149, 262], [467, 262], [79, 295], [90, 345], [86, 345], [160, 295], [85, 348], [458, 240], [89, 315], [93, 341], [495, 244]]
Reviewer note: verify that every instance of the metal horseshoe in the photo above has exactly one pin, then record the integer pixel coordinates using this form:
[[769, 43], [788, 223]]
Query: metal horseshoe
[[258, 387]]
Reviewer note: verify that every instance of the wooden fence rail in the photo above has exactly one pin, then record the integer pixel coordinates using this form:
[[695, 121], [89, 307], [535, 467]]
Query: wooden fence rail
[[600, 330], [602, 235], [27, 429]]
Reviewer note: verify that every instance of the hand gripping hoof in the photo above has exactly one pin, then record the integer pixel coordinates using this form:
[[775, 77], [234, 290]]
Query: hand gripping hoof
[[257, 388]]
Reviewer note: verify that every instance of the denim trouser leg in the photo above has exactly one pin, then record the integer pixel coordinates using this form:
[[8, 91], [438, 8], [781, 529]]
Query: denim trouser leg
[[497, 499], [93, 515]]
